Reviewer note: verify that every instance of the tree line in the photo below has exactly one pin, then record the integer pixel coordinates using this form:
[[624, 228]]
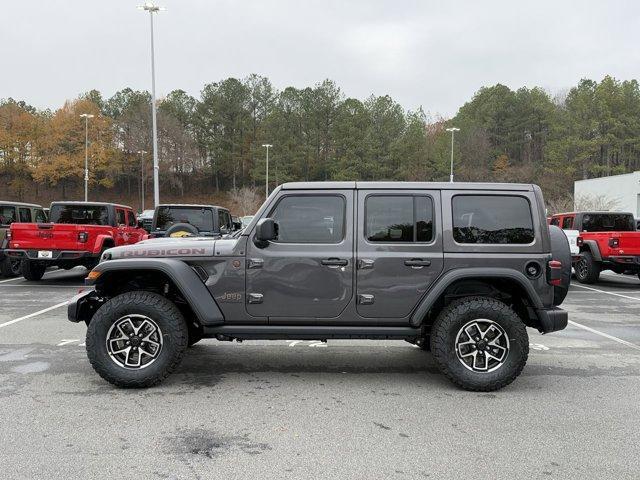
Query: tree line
[[210, 147]]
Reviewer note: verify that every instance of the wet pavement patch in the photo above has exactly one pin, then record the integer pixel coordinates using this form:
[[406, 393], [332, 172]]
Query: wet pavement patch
[[210, 444]]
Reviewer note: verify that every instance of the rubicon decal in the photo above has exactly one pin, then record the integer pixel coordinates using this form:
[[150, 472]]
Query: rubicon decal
[[165, 252]]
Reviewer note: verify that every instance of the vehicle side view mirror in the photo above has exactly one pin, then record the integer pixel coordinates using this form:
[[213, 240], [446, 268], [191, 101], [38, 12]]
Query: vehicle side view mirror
[[266, 231], [140, 224]]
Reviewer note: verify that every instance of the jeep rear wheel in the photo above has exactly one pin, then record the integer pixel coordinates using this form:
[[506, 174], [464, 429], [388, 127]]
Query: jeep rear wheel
[[10, 268], [136, 339], [587, 269], [33, 271], [480, 343]]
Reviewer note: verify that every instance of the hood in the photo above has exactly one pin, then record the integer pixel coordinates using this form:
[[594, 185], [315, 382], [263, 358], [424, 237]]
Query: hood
[[164, 248]]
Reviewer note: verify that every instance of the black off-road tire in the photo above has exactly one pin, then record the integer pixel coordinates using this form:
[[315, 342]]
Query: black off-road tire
[[10, 268], [33, 271], [175, 337], [182, 228], [587, 269], [456, 315]]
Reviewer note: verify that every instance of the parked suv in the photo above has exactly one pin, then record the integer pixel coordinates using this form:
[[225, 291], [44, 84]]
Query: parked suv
[[606, 240], [15, 212], [78, 234], [180, 220], [458, 269]]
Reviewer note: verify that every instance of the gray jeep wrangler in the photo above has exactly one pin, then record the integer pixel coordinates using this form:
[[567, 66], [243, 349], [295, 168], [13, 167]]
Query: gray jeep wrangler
[[458, 269]]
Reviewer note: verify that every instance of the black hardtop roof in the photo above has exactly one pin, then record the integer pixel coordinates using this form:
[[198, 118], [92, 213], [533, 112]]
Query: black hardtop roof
[[19, 204], [526, 187], [591, 212], [99, 204], [190, 205]]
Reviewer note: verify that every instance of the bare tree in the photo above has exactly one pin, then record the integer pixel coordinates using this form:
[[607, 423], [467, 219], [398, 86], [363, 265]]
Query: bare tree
[[596, 202], [246, 199]]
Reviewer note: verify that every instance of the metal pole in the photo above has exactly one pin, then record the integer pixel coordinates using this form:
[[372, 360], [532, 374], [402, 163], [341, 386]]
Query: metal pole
[[86, 158], [451, 175], [156, 168], [142, 182], [266, 181]]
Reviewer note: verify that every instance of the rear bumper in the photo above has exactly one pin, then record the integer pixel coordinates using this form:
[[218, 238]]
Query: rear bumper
[[56, 255], [624, 259], [552, 319]]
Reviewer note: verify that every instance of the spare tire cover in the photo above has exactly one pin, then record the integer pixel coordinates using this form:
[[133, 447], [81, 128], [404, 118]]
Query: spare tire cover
[[561, 251], [181, 230]]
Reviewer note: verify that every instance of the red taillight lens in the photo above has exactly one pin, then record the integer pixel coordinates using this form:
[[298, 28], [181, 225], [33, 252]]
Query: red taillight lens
[[83, 237], [614, 242], [579, 241], [555, 272]]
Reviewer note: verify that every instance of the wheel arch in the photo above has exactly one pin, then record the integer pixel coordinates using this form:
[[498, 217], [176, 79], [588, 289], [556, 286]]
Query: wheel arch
[[592, 247]]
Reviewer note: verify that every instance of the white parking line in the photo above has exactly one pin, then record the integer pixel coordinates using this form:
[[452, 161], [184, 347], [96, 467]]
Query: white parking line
[[608, 293], [45, 285], [11, 280], [605, 335], [31, 315]]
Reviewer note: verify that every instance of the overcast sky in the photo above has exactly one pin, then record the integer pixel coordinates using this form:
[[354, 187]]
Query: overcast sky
[[433, 54]]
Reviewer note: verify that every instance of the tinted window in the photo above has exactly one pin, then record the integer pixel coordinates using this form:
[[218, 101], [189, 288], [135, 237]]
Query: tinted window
[[25, 215], [567, 223], [608, 222], [492, 219], [555, 221], [7, 215], [120, 217], [132, 219], [310, 219], [399, 218], [41, 217], [80, 214], [201, 218], [223, 219]]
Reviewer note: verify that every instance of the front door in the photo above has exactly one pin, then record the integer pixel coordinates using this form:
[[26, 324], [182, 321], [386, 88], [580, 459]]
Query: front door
[[307, 272], [399, 250]]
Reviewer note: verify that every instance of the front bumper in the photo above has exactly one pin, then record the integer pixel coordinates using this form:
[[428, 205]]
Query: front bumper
[[552, 319], [56, 255], [83, 306]]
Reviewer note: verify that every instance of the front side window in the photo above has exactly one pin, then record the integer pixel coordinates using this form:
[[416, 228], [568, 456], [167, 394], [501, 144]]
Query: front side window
[[399, 218], [25, 215], [223, 220], [7, 215], [310, 219], [555, 221], [132, 219], [80, 214], [492, 219], [120, 217], [199, 217]]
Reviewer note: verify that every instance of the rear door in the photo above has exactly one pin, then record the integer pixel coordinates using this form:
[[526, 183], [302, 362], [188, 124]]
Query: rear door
[[307, 273], [134, 233], [399, 250]]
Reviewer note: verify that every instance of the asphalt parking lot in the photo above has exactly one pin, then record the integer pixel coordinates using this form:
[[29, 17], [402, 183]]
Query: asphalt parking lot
[[310, 410]]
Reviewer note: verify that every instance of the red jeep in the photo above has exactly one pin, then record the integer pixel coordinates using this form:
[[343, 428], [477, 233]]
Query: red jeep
[[607, 241], [78, 234]]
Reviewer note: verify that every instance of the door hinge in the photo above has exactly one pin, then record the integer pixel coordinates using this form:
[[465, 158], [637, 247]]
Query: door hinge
[[365, 299], [255, 263], [255, 298]]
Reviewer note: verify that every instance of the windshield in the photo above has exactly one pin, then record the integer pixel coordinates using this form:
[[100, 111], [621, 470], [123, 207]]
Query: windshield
[[80, 214], [201, 218], [7, 215], [608, 222]]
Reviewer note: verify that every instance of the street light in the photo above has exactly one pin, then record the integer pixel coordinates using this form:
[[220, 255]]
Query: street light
[[152, 8], [142, 153], [453, 130], [86, 117], [266, 178]]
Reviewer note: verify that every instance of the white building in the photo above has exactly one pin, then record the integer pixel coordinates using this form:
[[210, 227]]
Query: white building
[[618, 192]]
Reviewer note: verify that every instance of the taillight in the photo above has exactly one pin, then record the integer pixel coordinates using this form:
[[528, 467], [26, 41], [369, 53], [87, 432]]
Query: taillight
[[579, 241], [555, 273], [614, 242], [83, 237], [8, 235]]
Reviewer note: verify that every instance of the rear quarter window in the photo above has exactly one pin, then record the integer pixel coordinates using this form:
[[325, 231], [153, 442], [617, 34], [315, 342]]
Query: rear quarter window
[[492, 219]]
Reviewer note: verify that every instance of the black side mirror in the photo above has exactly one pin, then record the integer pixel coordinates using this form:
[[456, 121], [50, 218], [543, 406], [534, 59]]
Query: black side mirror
[[140, 223], [266, 231]]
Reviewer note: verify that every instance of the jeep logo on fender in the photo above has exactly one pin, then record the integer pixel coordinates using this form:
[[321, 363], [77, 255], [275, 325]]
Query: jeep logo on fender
[[167, 252]]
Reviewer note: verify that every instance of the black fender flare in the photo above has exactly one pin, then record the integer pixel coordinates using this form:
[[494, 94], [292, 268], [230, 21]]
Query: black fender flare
[[190, 285], [461, 273], [592, 245]]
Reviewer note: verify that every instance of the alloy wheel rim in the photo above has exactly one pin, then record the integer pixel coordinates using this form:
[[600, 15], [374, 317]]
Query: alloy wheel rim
[[482, 345], [582, 268], [15, 266], [134, 341]]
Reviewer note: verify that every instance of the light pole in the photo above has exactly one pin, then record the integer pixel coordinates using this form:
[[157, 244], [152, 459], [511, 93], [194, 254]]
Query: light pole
[[86, 117], [152, 8], [141, 153], [453, 130], [266, 178]]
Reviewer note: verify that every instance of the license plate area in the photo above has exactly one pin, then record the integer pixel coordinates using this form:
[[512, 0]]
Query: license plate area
[[45, 254]]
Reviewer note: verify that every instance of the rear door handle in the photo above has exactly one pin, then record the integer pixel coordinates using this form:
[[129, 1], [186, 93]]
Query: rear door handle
[[334, 262], [417, 263]]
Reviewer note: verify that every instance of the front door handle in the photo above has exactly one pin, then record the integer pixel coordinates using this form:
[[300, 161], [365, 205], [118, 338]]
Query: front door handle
[[417, 263], [334, 262]]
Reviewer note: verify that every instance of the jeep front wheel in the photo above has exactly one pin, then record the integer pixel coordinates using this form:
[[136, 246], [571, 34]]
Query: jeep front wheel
[[587, 269], [136, 339], [480, 343], [33, 271]]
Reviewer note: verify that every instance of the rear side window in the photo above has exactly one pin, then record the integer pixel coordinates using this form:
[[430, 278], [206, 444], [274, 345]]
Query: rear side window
[[25, 215], [555, 221], [310, 219], [399, 218], [567, 223], [608, 222], [80, 214], [492, 219], [7, 215], [41, 217]]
